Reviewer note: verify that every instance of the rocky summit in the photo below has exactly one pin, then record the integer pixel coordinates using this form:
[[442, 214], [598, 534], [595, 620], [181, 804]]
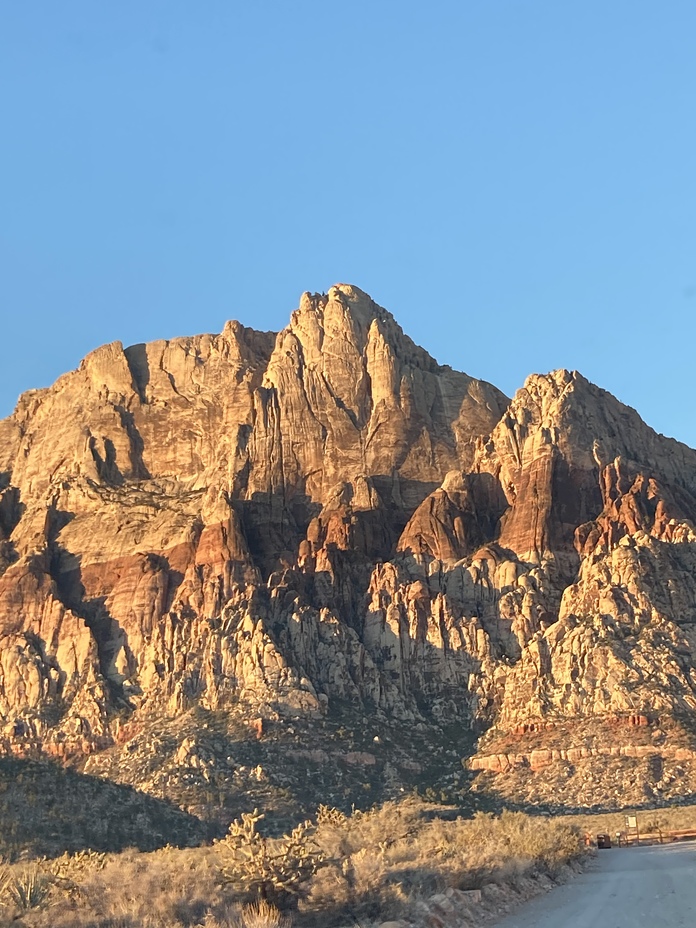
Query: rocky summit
[[237, 565]]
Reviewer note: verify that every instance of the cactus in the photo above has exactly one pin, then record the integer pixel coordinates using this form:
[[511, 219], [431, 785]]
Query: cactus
[[67, 870], [275, 870], [329, 816]]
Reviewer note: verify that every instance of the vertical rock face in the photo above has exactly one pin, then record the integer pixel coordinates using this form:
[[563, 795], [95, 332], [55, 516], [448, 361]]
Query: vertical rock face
[[327, 514], [605, 507], [197, 519]]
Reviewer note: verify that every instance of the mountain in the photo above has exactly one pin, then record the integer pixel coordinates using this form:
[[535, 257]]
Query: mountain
[[227, 554]]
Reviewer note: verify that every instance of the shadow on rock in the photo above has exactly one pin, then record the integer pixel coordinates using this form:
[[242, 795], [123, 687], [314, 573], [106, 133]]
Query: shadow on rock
[[46, 810]]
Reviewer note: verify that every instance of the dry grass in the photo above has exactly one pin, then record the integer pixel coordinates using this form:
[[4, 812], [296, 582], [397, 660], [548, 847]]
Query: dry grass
[[383, 861], [375, 865]]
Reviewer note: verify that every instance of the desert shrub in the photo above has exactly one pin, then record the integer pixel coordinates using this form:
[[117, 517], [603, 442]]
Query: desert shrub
[[656, 824], [169, 888], [67, 872], [372, 861], [259, 914], [345, 869], [275, 870], [516, 841], [380, 862], [262, 914]]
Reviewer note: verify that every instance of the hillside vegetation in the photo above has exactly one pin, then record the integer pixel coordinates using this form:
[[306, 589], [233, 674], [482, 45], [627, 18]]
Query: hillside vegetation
[[336, 870]]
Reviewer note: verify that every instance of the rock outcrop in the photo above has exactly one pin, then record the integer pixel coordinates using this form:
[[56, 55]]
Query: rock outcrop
[[328, 515], [198, 519]]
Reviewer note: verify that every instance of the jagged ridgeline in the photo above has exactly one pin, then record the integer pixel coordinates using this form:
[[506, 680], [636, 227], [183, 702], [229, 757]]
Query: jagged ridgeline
[[288, 525]]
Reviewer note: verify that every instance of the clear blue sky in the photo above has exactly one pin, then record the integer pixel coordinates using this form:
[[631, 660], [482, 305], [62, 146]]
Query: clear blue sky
[[515, 181]]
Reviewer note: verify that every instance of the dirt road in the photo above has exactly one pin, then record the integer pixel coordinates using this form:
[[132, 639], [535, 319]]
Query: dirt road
[[647, 887]]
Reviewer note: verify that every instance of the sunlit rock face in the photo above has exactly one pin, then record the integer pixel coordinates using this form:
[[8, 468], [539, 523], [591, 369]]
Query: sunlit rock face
[[325, 514]]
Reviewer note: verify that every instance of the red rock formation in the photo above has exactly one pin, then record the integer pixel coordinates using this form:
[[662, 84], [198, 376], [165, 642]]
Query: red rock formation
[[328, 514]]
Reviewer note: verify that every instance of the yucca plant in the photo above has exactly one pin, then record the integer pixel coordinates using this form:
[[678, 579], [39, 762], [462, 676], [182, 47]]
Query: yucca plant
[[28, 890]]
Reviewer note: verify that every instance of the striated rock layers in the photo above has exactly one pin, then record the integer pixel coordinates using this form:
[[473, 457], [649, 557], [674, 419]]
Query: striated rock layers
[[326, 514]]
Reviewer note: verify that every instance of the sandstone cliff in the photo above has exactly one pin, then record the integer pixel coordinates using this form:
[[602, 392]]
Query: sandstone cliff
[[327, 516], [198, 519]]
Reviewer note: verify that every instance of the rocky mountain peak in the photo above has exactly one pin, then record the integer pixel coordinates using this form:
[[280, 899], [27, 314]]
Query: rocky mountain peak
[[288, 522]]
